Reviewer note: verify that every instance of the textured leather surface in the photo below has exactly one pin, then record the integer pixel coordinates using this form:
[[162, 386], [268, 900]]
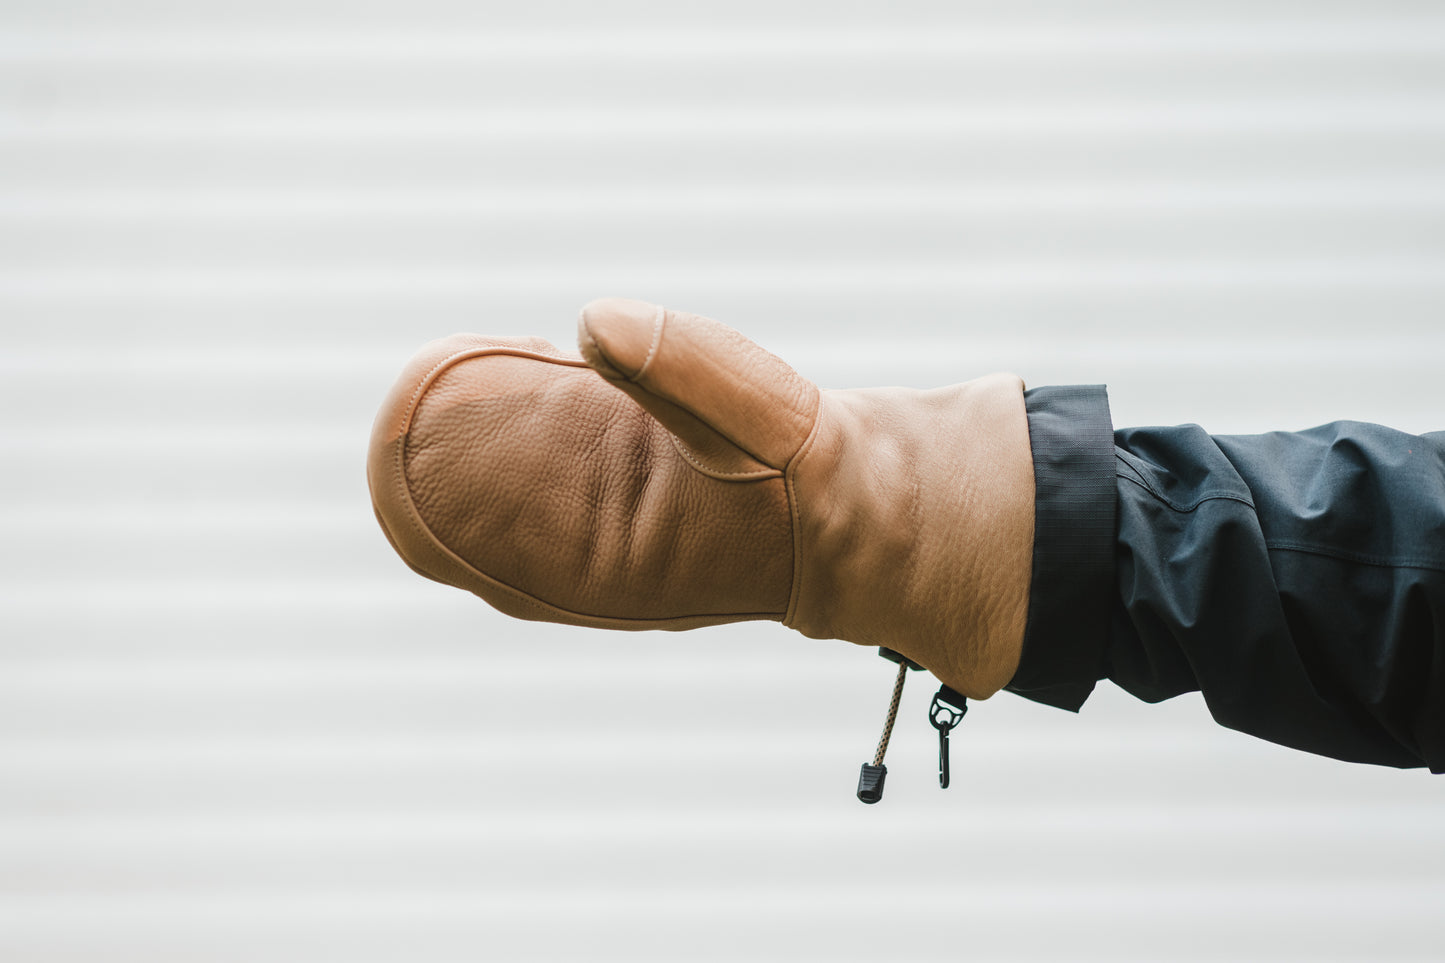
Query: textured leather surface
[[702, 480]]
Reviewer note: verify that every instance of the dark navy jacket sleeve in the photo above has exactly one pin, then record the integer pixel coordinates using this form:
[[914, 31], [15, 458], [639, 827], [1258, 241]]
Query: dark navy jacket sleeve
[[1296, 579], [1072, 589]]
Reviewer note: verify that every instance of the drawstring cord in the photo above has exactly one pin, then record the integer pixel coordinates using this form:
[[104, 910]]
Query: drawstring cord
[[871, 776], [892, 714], [944, 713]]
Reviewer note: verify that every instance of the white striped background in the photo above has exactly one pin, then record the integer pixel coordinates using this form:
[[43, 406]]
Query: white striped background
[[234, 728]]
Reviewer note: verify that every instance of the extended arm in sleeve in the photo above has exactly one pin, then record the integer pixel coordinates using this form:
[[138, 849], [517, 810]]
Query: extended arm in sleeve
[[1296, 579]]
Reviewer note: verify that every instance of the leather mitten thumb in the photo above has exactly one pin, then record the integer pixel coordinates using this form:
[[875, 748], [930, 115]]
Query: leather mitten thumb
[[701, 480]]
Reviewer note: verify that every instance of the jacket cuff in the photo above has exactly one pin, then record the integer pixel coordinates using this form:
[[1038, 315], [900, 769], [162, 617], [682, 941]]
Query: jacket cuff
[[1071, 595]]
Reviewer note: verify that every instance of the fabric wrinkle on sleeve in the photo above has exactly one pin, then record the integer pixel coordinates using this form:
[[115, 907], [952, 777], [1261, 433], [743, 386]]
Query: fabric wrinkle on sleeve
[[1072, 589], [1295, 579]]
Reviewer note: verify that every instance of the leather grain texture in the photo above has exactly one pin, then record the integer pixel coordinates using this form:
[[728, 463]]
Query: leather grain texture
[[702, 480], [508, 468]]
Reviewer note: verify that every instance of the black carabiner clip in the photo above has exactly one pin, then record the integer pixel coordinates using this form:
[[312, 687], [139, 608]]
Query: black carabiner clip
[[946, 711]]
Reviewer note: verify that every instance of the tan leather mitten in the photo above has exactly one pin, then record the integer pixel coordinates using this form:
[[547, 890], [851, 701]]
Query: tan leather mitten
[[701, 480]]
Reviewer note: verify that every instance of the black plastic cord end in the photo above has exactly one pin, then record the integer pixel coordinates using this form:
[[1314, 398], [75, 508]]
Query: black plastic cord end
[[870, 782]]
